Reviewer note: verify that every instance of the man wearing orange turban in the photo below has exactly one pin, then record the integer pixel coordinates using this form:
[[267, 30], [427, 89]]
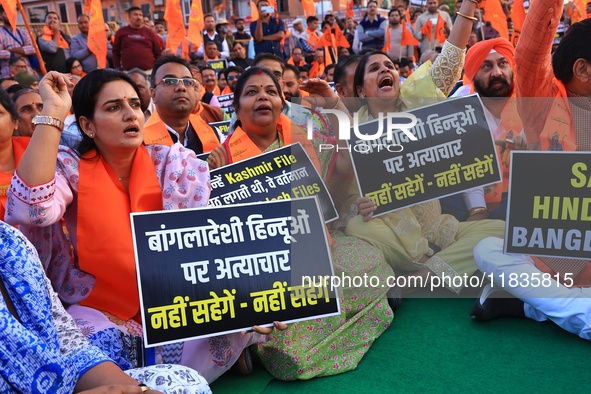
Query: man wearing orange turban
[[488, 71]]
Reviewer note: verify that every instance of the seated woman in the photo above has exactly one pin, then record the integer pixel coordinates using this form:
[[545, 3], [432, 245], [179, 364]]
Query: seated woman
[[74, 66], [42, 350], [94, 191], [419, 239], [335, 344], [11, 148]]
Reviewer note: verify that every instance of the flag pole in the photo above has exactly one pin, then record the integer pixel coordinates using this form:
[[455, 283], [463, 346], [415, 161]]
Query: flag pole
[[33, 38]]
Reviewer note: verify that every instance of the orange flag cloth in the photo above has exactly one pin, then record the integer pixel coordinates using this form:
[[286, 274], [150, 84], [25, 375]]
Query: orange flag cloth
[[173, 16], [496, 16], [309, 8], [254, 11], [427, 30], [350, 12], [10, 9], [97, 38], [407, 37], [340, 38], [196, 24], [439, 30]]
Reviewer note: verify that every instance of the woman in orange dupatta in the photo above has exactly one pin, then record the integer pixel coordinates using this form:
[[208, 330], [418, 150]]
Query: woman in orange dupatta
[[335, 344], [11, 148], [94, 190]]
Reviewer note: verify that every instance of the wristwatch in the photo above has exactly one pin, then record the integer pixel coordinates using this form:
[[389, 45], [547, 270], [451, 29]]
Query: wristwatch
[[47, 120]]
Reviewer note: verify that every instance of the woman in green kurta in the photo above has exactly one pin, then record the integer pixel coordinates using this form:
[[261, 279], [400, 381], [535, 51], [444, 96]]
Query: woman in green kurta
[[408, 236], [330, 345]]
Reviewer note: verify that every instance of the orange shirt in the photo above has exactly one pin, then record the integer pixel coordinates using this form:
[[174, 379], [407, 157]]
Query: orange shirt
[[533, 65]]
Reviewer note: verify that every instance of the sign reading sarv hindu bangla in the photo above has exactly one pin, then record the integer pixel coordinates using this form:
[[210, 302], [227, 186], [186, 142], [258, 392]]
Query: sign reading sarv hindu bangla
[[277, 175], [549, 204], [454, 151], [204, 272]]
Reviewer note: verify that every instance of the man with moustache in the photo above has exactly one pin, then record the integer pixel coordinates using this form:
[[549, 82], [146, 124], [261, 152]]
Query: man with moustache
[[488, 71], [291, 76], [240, 35], [136, 45], [179, 116]]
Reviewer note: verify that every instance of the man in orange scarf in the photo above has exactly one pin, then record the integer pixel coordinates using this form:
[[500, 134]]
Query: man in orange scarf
[[488, 71], [179, 115], [54, 44], [554, 105], [433, 15]]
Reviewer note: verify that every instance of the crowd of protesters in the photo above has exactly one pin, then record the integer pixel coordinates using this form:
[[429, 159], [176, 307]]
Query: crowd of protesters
[[128, 141]]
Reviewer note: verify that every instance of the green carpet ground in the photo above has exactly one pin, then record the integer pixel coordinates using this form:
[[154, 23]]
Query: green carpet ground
[[434, 347]]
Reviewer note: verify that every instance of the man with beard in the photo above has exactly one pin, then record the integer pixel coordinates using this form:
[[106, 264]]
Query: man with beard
[[179, 116], [232, 74], [240, 35], [489, 67], [291, 76]]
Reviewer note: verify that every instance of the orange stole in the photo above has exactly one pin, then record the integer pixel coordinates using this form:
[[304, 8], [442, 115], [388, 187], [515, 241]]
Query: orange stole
[[104, 240], [156, 133], [558, 133], [48, 36], [227, 90], [216, 91], [240, 146], [19, 145]]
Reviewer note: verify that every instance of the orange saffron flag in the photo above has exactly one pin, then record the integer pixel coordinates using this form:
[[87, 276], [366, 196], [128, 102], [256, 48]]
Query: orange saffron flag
[[285, 36], [97, 38], [10, 9], [173, 16], [581, 10], [518, 15], [309, 8], [196, 24], [350, 12], [407, 13], [496, 16], [325, 40], [427, 30], [254, 11], [407, 37], [341, 40], [439, 30]]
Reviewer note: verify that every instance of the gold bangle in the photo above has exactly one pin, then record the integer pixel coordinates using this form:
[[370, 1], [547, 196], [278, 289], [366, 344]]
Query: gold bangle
[[143, 387], [476, 211], [467, 16]]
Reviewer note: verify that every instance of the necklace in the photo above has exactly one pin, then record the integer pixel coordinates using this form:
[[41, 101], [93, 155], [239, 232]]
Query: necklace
[[123, 177]]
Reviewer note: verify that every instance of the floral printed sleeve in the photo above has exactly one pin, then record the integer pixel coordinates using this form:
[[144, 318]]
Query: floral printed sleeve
[[184, 177], [44, 205]]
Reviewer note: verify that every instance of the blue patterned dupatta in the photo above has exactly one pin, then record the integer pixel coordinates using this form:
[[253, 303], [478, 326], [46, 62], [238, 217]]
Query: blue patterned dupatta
[[30, 359]]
